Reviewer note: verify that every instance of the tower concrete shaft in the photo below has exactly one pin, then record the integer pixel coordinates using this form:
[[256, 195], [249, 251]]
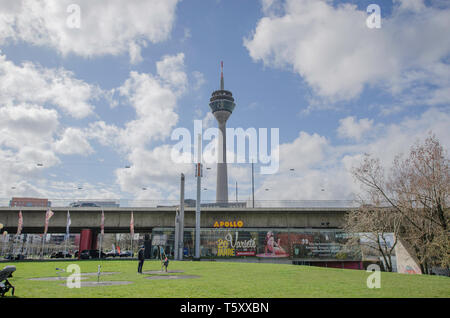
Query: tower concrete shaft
[[222, 172]]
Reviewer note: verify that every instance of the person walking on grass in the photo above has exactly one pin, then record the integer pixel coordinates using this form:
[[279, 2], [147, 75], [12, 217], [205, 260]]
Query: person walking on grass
[[166, 263], [141, 258]]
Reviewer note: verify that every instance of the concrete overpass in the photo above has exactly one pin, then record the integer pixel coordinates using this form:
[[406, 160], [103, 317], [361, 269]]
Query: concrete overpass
[[117, 220]]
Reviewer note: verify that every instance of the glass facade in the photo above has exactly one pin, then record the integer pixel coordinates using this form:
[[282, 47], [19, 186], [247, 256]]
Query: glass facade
[[222, 105], [261, 243]]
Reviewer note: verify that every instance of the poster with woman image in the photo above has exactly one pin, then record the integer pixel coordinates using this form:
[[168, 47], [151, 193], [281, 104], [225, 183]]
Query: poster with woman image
[[272, 247]]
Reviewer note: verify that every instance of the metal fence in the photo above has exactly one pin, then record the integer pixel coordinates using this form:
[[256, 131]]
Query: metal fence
[[129, 203]]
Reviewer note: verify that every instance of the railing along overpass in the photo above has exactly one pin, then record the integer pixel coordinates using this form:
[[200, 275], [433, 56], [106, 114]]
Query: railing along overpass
[[117, 219]]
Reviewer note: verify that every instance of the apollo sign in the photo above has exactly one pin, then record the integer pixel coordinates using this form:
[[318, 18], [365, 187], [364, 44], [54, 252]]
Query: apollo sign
[[228, 224]]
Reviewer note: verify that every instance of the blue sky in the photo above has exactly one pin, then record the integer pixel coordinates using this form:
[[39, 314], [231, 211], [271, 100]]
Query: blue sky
[[334, 88]]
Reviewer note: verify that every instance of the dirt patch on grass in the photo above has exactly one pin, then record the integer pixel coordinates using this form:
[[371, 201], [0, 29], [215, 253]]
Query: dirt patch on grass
[[101, 274], [97, 284], [52, 278], [172, 277], [82, 276], [161, 272]]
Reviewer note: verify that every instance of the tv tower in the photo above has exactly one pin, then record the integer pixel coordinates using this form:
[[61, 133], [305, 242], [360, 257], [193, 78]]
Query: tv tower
[[222, 105]]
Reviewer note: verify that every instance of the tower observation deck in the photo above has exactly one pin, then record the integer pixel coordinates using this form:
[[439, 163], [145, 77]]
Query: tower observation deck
[[222, 105]]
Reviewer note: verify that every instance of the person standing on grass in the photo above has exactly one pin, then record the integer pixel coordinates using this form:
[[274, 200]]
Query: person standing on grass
[[166, 263], [141, 258]]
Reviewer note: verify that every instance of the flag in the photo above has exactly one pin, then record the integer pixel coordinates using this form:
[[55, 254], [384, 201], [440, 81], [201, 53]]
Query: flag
[[132, 225], [48, 215], [102, 224], [69, 222], [20, 224]]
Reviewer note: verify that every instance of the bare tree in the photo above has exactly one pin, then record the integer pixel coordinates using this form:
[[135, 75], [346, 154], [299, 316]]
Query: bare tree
[[421, 183], [417, 194], [375, 228]]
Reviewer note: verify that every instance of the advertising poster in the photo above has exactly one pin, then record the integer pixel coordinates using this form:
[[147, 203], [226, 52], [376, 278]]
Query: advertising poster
[[275, 245], [236, 244]]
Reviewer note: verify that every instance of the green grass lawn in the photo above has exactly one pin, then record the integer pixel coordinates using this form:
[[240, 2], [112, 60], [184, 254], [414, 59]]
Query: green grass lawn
[[223, 280]]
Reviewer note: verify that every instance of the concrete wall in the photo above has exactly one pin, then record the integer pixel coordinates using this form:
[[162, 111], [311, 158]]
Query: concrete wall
[[118, 219], [406, 263]]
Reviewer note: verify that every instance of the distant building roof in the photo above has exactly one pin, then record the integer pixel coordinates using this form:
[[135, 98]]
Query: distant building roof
[[29, 202]]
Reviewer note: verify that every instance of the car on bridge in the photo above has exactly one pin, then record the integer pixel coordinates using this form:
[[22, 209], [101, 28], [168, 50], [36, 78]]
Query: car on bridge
[[16, 257], [126, 254], [61, 254], [84, 205], [90, 254], [112, 254]]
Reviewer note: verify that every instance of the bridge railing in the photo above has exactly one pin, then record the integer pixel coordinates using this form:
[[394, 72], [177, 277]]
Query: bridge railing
[[130, 203]]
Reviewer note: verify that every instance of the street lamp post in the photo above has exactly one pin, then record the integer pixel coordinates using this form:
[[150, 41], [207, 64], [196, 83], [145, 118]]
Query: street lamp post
[[198, 174], [181, 221], [253, 188]]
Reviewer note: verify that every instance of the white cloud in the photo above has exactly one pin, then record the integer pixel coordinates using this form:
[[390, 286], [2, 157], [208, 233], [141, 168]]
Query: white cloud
[[318, 164], [171, 70], [414, 5], [304, 152], [30, 83], [152, 169], [338, 55], [26, 124], [351, 128], [271, 7], [106, 135], [154, 98], [31, 97], [26, 137], [155, 109], [106, 27], [199, 80], [73, 142]]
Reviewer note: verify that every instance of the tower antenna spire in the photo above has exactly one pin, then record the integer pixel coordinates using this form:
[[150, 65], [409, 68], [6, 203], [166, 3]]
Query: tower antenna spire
[[221, 76]]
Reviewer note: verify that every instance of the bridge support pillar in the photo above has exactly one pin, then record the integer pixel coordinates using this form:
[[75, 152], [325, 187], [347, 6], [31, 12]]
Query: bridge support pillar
[[88, 240]]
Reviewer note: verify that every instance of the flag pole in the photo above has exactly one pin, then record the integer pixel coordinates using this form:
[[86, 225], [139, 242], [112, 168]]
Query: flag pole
[[67, 234], [101, 242], [42, 247], [132, 233], [19, 231], [5, 233], [48, 215], [43, 236], [101, 233]]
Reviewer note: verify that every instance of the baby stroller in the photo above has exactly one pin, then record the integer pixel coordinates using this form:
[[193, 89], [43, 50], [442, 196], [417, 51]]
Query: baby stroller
[[5, 285]]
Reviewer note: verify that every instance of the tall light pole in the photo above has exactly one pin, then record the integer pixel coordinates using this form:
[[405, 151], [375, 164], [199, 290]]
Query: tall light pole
[[198, 174], [253, 187], [181, 221]]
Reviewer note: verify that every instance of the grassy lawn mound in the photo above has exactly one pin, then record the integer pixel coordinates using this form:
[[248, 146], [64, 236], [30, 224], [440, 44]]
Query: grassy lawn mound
[[218, 280]]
